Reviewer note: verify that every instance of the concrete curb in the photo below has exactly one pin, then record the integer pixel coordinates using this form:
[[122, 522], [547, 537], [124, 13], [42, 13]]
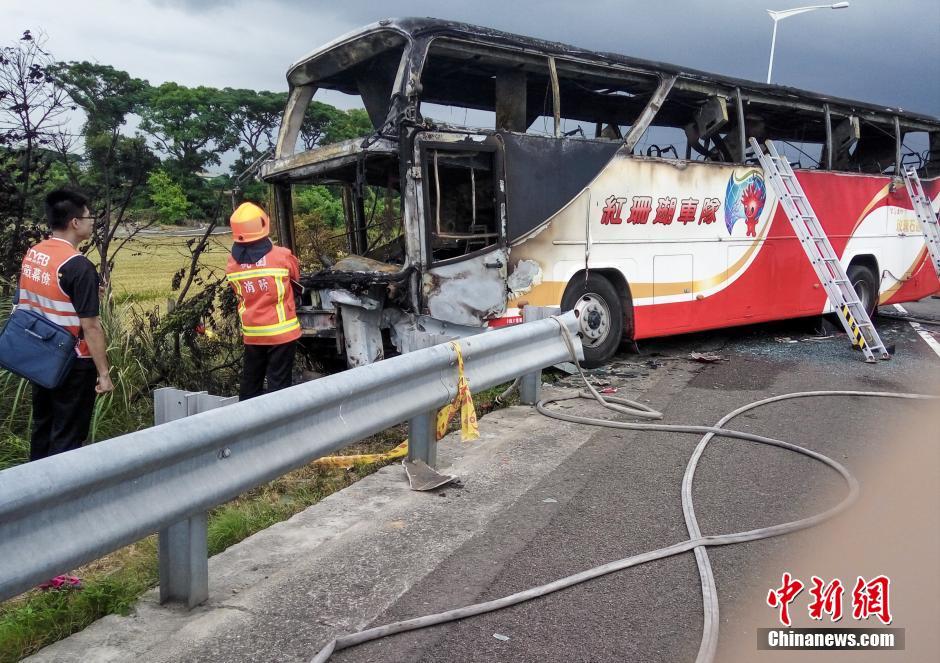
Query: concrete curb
[[361, 548]]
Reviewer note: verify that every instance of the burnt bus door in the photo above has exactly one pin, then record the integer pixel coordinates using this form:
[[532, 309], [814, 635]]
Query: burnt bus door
[[464, 222]]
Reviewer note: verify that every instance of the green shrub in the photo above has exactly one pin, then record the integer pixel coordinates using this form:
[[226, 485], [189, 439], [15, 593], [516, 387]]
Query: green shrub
[[168, 196]]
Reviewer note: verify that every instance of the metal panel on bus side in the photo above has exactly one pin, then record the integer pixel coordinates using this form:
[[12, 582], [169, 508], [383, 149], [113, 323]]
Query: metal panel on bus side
[[468, 292]]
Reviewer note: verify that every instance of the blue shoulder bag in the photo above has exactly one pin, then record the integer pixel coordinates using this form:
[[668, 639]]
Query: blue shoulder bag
[[37, 349]]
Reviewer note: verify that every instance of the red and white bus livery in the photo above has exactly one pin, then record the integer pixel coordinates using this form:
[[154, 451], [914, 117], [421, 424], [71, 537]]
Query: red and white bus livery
[[691, 246]]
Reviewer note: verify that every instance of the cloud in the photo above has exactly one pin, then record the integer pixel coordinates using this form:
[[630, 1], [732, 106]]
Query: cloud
[[854, 53], [199, 6]]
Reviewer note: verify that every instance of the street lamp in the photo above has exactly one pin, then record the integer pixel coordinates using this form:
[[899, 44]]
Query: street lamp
[[784, 13]]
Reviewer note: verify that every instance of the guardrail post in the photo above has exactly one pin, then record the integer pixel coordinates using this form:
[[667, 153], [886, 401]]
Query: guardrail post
[[530, 388], [422, 428], [421, 434], [184, 561], [183, 547]]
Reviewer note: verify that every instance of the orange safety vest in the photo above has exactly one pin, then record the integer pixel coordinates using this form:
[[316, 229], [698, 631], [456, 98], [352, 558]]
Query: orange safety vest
[[265, 298], [41, 292]]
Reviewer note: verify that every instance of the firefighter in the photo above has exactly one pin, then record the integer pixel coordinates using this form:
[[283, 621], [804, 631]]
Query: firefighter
[[262, 276]]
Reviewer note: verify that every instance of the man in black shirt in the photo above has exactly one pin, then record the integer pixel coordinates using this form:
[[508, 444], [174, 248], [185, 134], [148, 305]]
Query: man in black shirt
[[62, 284]]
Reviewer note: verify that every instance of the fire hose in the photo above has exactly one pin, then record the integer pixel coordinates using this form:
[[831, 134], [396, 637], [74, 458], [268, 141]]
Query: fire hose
[[697, 542]]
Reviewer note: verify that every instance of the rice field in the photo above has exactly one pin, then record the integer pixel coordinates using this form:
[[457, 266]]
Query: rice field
[[144, 268]]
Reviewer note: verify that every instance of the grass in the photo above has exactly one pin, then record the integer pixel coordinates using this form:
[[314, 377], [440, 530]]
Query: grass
[[144, 268], [111, 585]]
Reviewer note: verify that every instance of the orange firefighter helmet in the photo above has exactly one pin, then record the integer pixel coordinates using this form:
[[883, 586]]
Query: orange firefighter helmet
[[249, 223]]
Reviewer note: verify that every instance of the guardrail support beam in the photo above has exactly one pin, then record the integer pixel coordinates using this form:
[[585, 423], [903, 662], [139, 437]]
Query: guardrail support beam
[[183, 547], [184, 561], [421, 442], [530, 388]]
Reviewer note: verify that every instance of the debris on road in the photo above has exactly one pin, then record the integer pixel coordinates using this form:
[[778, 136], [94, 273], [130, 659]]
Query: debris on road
[[706, 357]]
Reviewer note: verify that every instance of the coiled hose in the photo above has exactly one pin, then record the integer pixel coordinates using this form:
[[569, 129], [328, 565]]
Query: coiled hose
[[697, 542]]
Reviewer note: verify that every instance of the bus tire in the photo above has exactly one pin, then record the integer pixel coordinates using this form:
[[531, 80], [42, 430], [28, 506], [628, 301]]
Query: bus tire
[[865, 283], [600, 317]]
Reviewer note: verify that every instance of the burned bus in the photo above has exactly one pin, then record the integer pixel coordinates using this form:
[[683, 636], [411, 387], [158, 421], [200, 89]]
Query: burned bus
[[618, 187]]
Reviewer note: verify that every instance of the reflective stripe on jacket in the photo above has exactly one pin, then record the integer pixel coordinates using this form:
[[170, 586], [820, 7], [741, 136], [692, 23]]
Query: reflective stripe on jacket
[[41, 292], [265, 298]]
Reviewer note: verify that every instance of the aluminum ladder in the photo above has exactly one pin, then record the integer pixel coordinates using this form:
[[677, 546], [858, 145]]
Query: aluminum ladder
[[816, 244], [925, 213]]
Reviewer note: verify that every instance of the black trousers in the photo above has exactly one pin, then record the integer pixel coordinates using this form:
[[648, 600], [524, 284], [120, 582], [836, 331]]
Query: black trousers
[[276, 362], [61, 416]]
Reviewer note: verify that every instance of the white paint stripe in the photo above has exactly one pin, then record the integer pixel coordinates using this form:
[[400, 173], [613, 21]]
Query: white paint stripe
[[923, 333]]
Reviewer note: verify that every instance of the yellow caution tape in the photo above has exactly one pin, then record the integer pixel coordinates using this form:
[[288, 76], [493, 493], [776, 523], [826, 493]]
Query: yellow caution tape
[[346, 461], [463, 403]]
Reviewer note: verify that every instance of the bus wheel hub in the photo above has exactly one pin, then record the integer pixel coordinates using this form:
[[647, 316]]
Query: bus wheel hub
[[594, 317]]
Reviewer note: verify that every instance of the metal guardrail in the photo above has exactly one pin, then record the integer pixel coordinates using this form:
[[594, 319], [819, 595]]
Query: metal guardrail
[[67, 510]]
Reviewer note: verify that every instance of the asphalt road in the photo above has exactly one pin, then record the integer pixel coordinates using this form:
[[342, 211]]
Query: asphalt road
[[619, 495], [543, 499]]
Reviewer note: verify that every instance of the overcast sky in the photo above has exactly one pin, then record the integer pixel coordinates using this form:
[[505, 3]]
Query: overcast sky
[[876, 50]]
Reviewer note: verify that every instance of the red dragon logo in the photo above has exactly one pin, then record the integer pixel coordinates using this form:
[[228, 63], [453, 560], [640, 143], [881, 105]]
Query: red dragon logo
[[753, 200]]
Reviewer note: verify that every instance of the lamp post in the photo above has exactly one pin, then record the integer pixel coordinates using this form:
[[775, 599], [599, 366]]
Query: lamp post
[[784, 13]]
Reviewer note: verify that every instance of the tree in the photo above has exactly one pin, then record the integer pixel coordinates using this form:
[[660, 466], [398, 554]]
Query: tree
[[192, 126], [116, 165], [324, 124], [255, 118], [354, 123], [168, 196], [33, 109], [317, 120], [320, 203], [107, 95]]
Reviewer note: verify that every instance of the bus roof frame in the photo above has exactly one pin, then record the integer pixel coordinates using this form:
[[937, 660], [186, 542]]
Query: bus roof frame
[[687, 79]]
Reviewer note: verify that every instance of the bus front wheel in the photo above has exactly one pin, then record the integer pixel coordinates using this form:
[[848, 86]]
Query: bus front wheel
[[600, 317]]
